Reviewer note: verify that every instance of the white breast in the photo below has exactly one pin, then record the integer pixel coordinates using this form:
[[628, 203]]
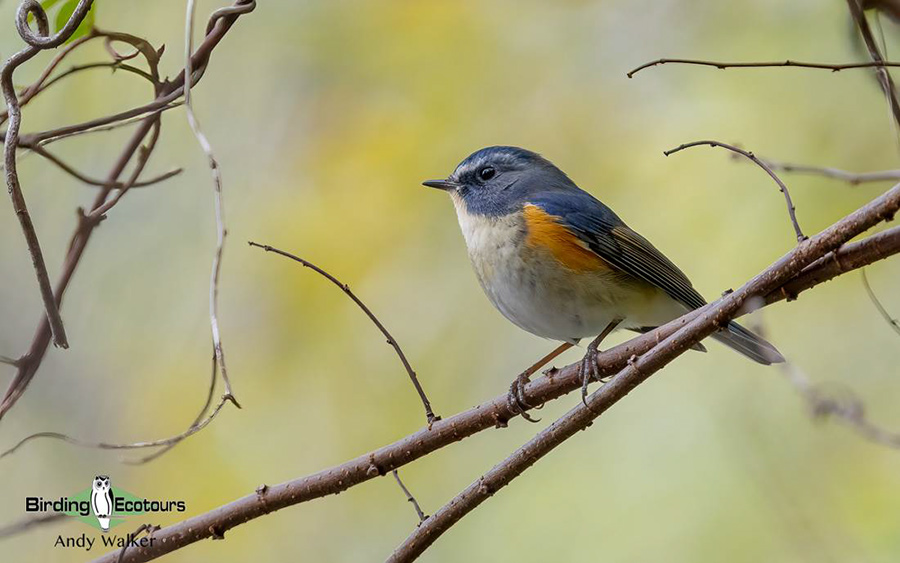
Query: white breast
[[540, 296]]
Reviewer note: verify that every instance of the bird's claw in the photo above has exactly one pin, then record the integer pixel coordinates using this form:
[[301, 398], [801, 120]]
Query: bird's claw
[[589, 371], [516, 398]]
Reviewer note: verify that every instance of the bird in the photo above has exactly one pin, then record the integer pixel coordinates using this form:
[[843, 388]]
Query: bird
[[559, 264]]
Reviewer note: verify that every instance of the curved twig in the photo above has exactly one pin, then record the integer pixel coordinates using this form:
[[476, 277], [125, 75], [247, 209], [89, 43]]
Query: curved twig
[[221, 231], [42, 152], [895, 325], [787, 195], [429, 413]]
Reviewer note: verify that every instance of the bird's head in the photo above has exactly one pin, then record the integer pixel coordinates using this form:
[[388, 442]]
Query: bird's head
[[496, 181]]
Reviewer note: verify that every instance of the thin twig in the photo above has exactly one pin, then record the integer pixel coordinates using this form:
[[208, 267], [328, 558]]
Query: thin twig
[[122, 446], [166, 443], [787, 195], [841, 404], [762, 64], [221, 231], [197, 420], [43, 152], [884, 78], [149, 528], [422, 516], [429, 413], [554, 384], [36, 43], [895, 325], [144, 153], [852, 178], [26, 524]]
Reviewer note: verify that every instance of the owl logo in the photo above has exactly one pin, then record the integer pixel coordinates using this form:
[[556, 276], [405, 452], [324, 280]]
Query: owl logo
[[102, 500]]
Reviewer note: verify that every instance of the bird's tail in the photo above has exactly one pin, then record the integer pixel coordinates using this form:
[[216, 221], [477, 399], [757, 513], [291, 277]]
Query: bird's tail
[[749, 344]]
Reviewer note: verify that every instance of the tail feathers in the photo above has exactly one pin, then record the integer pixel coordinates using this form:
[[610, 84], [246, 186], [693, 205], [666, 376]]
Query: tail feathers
[[749, 344]]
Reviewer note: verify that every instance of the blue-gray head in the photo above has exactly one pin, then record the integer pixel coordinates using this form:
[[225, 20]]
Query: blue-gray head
[[496, 181]]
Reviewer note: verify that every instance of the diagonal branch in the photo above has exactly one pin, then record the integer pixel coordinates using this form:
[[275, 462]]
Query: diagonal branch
[[553, 385]]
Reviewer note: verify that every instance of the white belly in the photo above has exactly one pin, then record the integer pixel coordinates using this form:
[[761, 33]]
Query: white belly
[[544, 298]]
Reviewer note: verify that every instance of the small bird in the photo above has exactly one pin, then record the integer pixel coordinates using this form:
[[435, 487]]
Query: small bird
[[560, 264]]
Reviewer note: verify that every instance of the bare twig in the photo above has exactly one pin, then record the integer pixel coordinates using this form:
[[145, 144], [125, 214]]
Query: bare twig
[[36, 43], [196, 423], [763, 64], [554, 384], [29, 363], [429, 413], [166, 443], [877, 302], [149, 528], [98, 125], [422, 516], [26, 524], [787, 196], [41, 151], [852, 178], [221, 231], [639, 369], [884, 78], [111, 446], [840, 403]]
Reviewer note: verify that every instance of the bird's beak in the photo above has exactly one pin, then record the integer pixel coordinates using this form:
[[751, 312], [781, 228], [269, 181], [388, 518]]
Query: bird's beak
[[446, 185]]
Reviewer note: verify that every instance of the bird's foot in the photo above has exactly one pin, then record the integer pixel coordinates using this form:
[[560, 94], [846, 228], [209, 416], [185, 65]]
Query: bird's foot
[[589, 370], [516, 398]]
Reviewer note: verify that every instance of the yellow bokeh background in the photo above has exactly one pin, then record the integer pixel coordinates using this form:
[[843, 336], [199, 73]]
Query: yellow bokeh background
[[326, 116]]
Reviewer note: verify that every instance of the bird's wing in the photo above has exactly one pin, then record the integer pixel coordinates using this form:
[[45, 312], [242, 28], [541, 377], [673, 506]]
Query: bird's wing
[[613, 241]]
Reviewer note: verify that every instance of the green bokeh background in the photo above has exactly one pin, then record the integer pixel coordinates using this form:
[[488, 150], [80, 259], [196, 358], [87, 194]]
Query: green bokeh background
[[325, 117]]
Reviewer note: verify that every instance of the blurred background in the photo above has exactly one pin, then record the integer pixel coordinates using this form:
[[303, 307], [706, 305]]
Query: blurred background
[[326, 116]]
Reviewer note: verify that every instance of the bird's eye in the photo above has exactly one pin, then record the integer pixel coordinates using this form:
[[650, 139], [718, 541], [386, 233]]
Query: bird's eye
[[486, 173]]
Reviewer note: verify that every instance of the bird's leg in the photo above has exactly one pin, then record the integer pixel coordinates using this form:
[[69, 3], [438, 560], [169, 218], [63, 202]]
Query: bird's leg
[[589, 369], [516, 397]]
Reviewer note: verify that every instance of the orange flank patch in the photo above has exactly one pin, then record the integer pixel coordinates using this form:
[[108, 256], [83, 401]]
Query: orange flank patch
[[545, 232]]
